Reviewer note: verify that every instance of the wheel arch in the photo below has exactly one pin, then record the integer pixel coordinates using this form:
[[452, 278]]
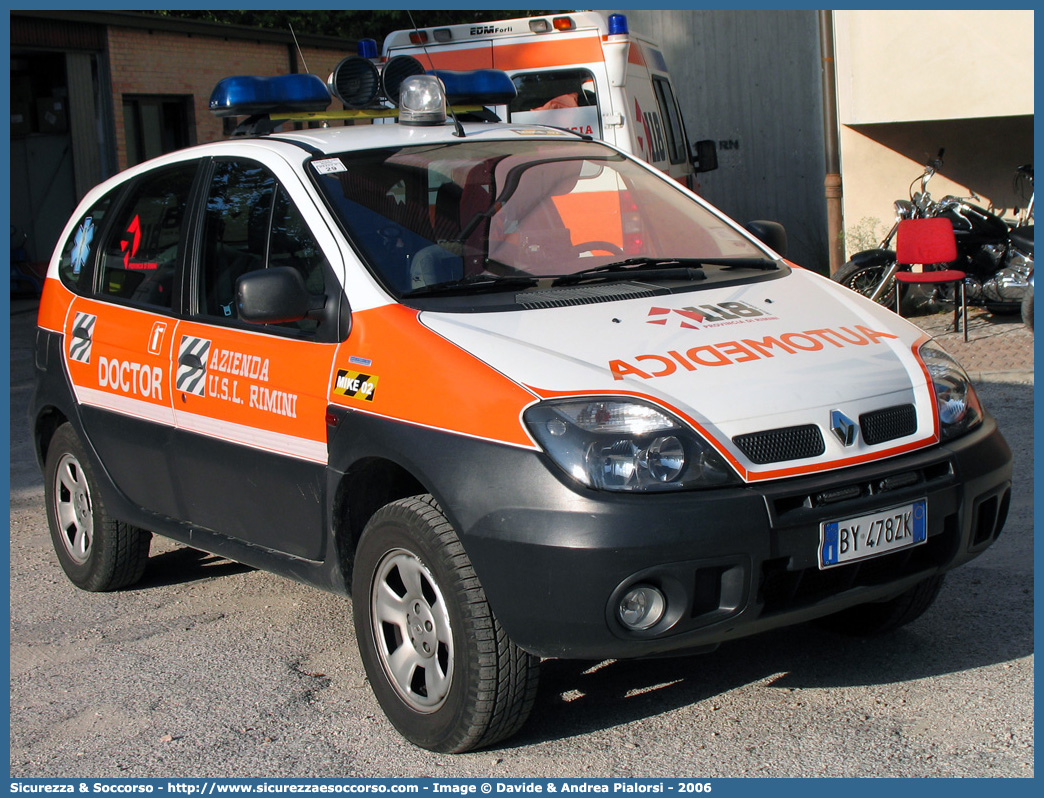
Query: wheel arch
[[45, 424], [368, 485]]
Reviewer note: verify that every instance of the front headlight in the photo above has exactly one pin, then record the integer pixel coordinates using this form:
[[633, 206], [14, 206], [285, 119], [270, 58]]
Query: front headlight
[[956, 402], [624, 445]]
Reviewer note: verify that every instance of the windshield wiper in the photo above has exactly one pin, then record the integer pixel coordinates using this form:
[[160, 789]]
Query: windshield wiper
[[647, 267], [643, 265], [475, 283]]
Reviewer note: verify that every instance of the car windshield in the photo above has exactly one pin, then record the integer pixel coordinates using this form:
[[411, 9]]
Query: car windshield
[[479, 214]]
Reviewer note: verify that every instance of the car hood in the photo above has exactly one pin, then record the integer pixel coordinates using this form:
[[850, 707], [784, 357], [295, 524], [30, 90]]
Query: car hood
[[761, 358]]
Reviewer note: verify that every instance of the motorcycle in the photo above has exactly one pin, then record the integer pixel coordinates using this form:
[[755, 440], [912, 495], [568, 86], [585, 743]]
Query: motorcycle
[[997, 257]]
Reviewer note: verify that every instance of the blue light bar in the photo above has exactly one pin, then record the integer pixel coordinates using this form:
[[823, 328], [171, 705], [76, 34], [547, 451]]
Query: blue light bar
[[479, 86], [246, 95], [618, 24], [367, 48]]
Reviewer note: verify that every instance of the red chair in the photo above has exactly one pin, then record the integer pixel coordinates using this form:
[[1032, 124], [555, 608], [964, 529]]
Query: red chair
[[926, 242]]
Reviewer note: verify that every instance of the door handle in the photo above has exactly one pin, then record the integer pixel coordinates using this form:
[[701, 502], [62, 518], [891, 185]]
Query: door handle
[[191, 361]]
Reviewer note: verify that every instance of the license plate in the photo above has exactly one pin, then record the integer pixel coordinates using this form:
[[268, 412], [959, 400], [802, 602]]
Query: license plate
[[873, 534]]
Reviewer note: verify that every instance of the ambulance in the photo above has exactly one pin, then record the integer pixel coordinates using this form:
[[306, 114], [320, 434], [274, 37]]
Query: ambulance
[[580, 71], [516, 392]]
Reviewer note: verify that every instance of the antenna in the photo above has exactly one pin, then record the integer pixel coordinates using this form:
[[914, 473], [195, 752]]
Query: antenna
[[458, 128], [298, 46]]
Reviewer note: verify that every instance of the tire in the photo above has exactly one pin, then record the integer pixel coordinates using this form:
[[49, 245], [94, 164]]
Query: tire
[[96, 551], [867, 620], [863, 278], [440, 665], [1027, 309]]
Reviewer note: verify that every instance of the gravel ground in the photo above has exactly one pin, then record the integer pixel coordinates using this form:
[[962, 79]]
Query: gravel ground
[[210, 669]]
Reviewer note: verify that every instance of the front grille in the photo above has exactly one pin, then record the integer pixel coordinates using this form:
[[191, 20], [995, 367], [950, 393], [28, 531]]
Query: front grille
[[785, 443], [888, 424]]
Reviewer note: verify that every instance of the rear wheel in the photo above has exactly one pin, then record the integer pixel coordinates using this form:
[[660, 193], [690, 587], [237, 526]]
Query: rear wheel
[[866, 620], [96, 551], [441, 666]]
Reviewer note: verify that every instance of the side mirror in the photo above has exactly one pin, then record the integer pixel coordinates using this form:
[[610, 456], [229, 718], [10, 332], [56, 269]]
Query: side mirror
[[272, 296], [705, 155], [771, 233]]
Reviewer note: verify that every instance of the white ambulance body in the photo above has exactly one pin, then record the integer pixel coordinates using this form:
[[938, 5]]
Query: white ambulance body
[[578, 71]]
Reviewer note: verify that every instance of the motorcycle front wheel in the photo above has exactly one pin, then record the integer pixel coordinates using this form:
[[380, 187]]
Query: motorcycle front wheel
[[864, 278]]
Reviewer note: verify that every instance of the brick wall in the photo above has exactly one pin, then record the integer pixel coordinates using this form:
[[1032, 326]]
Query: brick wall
[[158, 62]]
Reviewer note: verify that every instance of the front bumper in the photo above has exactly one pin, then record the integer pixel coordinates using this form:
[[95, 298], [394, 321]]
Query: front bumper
[[554, 559]]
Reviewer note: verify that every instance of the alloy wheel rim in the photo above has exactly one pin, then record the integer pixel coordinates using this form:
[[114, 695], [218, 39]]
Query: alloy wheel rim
[[412, 631], [73, 509]]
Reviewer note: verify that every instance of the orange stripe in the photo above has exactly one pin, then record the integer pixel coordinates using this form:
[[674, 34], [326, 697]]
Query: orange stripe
[[54, 305], [635, 54], [547, 53], [923, 339], [851, 461], [539, 54], [426, 380]]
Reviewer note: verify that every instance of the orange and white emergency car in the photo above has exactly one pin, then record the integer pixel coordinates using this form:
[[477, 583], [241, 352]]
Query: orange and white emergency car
[[581, 71], [517, 392]]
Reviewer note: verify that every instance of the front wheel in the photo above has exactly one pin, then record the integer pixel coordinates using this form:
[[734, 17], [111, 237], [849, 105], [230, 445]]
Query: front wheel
[[866, 278], [96, 551], [441, 666]]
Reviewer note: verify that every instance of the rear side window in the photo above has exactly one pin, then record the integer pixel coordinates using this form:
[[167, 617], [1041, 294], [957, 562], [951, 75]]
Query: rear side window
[[76, 267], [143, 246], [677, 145]]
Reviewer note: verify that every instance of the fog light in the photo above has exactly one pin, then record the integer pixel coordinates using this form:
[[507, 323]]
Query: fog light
[[641, 607]]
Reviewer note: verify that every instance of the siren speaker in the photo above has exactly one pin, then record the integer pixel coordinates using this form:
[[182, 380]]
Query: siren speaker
[[355, 82], [395, 72]]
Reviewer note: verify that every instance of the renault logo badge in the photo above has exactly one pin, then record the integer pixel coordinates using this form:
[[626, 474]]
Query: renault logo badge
[[843, 427]]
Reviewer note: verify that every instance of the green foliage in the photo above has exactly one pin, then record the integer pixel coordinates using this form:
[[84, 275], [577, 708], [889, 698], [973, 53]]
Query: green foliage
[[345, 24], [867, 234]]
